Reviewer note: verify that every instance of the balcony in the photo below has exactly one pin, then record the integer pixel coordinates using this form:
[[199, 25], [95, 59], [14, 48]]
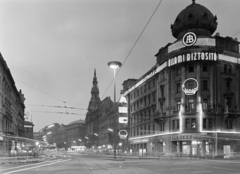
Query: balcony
[[231, 113], [190, 110], [159, 117]]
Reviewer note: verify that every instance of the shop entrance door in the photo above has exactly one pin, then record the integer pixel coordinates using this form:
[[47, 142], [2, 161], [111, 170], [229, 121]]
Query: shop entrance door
[[227, 151], [160, 147]]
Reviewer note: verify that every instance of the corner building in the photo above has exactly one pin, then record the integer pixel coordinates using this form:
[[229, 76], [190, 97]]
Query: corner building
[[188, 103]]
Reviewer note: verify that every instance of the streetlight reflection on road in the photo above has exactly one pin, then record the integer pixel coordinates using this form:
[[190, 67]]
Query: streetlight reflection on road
[[114, 65]]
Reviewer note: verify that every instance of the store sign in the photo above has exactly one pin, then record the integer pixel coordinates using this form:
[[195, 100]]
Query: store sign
[[123, 134], [123, 120], [190, 86], [141, 141], [189, 39], [196, 56], [189, 137]]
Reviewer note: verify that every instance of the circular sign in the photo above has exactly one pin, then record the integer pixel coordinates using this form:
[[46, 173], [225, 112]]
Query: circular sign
[[192, 86], [123, 134], [189, 39]]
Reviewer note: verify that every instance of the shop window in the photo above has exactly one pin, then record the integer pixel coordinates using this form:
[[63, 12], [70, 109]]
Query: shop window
[[205, 103], [190, 68], [178, 87], [205, 67], [205, 85]]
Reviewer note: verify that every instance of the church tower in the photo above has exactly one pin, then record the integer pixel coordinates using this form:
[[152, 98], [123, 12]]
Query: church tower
[[95, 101]]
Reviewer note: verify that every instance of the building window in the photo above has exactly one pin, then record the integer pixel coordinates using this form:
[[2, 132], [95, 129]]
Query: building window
[[190, 123], [191, 104], [187, 123], [178, 87], [205, 103], [154, 82], [205, 85], [229, 69], [205, 67], [193, 124], [173, 124], [154, 97], [210, 122], [190, 68], [161, 126], [178, 105], [177, 124], [179, 69], [228, 124]]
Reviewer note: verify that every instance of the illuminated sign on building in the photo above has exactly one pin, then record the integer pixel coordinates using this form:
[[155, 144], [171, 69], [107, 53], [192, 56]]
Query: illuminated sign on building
[[123, 134], [190, 86], [192, 57], [189, 39], [189, 137]]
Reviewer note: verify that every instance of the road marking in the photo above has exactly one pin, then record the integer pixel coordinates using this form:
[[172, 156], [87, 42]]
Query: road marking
[[28, 165], [36, 166], [23, 166], [223, 168], [179, 168], [202, 172]]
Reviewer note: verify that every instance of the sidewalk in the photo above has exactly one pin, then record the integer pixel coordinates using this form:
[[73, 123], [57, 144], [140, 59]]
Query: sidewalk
[[20, 159]]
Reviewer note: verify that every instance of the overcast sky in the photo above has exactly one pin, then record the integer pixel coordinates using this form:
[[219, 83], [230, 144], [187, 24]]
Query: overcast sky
[[52, 46]]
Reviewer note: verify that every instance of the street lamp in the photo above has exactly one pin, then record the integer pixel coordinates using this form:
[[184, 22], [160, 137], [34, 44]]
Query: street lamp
[[114, 65], [110, 129]]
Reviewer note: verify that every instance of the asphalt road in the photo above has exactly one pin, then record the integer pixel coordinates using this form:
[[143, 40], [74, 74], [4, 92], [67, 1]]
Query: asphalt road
[[82, 164]]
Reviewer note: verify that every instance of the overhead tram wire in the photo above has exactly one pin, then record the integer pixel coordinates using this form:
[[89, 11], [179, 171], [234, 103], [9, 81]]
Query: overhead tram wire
[[57, 106], [66, 113], [46, 93], [134, 45]]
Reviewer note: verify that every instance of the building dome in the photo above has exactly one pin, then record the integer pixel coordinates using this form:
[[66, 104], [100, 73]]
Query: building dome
[[195, 18]]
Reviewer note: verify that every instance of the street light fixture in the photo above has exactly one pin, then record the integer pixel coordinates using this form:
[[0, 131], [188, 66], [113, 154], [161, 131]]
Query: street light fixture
[[79, 140], [96, 134], [114, 65], [110, 129], [49, 133]]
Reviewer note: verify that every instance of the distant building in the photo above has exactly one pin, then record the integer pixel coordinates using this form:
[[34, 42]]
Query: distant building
[[93, 115], [28, 129], [47, 133], [59, 137], [75, 133], [12, 110]]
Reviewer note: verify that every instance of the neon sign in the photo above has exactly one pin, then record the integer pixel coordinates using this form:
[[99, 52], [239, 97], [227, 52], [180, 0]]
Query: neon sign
[[192, 57], [191, 90], [189, 39]]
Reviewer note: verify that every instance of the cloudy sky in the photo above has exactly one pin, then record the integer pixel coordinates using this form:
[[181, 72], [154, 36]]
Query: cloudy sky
[[52, 46]]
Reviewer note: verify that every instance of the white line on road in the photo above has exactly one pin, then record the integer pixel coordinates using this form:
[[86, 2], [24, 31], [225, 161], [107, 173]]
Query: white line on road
[[223, 168], [28, 165], [179, 168], [202, 172], [36, 166]]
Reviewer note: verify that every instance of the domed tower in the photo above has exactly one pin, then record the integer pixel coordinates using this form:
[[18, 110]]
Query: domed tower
[[194, 18]]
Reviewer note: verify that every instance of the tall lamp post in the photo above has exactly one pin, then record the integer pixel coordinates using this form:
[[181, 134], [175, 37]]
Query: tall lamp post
[[114, 65]]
